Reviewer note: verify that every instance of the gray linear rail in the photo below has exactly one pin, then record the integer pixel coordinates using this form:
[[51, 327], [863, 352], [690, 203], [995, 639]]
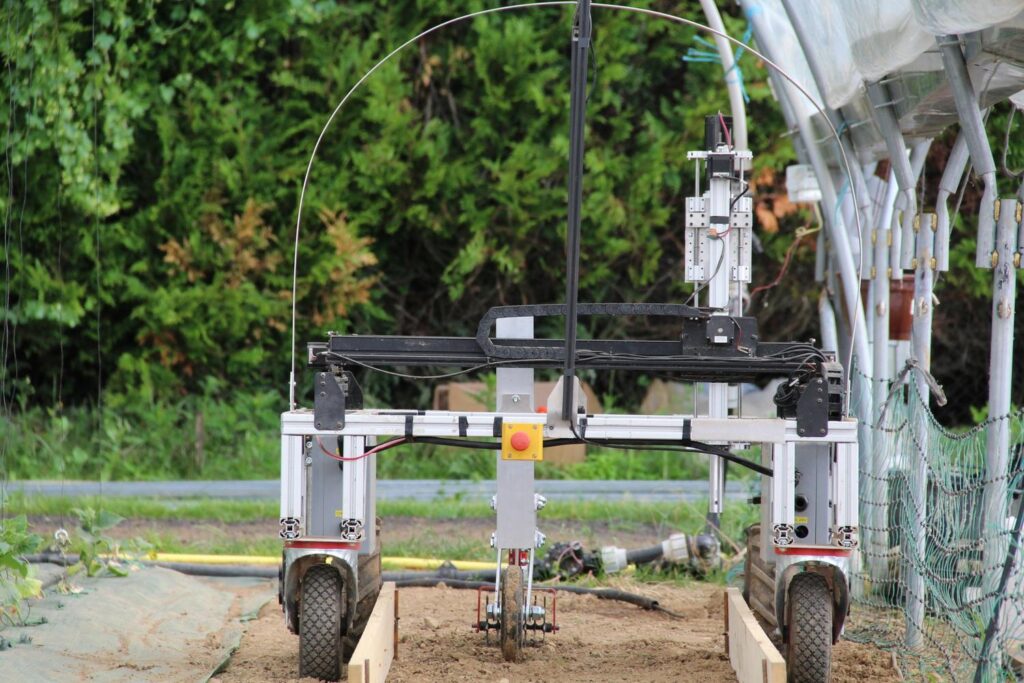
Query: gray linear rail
[[394, 489]]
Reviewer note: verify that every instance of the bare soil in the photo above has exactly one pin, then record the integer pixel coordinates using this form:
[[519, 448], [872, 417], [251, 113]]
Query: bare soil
[[599, 640]]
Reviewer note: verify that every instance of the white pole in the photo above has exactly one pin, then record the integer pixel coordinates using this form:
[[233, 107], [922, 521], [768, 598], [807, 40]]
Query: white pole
[[732, 81]]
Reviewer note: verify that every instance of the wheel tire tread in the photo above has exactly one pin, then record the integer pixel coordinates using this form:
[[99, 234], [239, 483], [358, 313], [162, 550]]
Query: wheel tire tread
[[320, 624], [809, 650], [511, 619]]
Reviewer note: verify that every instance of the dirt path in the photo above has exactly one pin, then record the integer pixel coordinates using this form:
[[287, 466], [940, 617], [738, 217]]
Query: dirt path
[[599, 641]]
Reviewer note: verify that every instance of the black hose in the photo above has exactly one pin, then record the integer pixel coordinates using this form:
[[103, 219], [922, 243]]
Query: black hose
[[232, 570], [644, 555], [602, 593]]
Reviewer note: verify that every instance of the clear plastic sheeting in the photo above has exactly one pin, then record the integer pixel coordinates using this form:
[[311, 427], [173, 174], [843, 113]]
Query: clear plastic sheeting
[[883, 35], [940, 17], [785, 50], [830, 50], [859, 41]]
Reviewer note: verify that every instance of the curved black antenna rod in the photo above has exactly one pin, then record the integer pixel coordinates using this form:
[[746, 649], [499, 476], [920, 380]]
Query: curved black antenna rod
[[581, 32]]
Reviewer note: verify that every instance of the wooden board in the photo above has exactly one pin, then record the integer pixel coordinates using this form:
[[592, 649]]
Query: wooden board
[[377, 647], [751, 653]]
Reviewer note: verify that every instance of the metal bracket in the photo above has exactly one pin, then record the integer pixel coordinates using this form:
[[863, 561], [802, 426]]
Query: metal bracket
[[335, 392]]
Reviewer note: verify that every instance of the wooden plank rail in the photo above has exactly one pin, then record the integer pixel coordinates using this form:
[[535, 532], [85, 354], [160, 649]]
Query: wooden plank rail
[[752, 654], [378, 645]]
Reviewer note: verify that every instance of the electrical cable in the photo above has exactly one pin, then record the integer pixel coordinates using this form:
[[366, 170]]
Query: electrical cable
[[464, 371], [640, 445], [1016, 175], [649, 604], [782, 271], [725, 130], [533, 5]]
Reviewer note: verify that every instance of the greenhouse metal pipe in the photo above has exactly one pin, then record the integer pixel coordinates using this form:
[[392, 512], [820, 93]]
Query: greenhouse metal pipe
[[1004, 294], [996, 244], [885, 118], [956, 164], [732, 81], [877, 464], [839, 235], [921, 343], [973, 128], [836, 117]]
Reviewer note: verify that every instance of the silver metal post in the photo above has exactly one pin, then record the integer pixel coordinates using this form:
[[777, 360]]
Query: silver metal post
[[877, 463], [515, 503], [1004, 294], [973, 129], [921, 335], [718, 298]]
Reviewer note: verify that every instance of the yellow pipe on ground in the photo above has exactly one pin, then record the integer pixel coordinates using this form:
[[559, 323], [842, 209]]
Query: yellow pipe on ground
[[387, 562]]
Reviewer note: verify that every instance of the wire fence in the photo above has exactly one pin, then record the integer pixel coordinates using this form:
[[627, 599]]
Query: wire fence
[[939, 580]]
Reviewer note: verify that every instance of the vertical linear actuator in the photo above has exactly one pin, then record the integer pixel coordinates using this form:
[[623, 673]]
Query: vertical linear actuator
[[581, 32]]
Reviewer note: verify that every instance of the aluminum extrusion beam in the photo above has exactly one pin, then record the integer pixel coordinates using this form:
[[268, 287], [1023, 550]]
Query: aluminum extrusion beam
[[447, 423]]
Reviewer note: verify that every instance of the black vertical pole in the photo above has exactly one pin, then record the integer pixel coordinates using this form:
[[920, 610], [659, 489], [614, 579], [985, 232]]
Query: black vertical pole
[[577, 109]]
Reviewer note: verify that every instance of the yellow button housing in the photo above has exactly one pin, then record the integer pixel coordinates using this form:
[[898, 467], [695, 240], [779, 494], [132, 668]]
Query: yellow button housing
[[534, 451]]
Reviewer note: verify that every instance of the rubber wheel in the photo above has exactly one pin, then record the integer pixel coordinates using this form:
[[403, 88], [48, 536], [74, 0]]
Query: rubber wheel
[[809, 628], [320, 618], [512, 599]]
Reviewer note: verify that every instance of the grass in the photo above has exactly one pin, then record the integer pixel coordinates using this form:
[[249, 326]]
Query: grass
[[215, 513]]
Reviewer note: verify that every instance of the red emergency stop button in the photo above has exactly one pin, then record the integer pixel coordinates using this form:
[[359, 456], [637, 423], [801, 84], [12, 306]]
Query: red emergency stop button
[[520, 441]]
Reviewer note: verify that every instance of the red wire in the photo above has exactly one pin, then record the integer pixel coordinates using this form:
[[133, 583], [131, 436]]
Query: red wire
[[376, 449], [782, 271], [725, 129]]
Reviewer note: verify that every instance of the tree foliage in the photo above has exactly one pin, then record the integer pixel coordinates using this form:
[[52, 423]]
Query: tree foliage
[[155, 153]]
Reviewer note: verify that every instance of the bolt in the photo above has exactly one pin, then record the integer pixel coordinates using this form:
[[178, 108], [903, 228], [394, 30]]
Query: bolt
[[515, 398], [309, 460], [801, 431]]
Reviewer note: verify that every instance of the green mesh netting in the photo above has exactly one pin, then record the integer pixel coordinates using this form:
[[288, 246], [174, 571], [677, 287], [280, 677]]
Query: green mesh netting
[[937, 515]]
